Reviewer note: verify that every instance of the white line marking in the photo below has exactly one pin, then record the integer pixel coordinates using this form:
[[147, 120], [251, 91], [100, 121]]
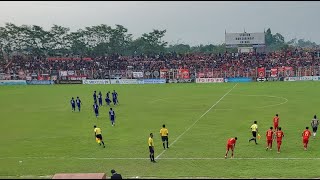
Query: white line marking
[[161, 99], [197, 120], [285, 99], [124, 158]]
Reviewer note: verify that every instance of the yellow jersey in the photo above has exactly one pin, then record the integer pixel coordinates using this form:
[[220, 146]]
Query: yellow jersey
[[164, 132], [97, 131], [150, 142], [254, 127]]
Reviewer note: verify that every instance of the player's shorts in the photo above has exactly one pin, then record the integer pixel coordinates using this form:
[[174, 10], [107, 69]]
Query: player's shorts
[[164, 138], [151, 149], [269, 141], [97, 112], [275, 125], [314, 129], [305, 141], [73, 106], [111, 118], [229, 146], [99, 136], [279, 142], [254, 133]]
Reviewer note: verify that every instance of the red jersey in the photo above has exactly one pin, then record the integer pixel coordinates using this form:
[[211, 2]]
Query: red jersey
[[232, 141], [269, 134], [275, 120], [279, 135], [306, 134]]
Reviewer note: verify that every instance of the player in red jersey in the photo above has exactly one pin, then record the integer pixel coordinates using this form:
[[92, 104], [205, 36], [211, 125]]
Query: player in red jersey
[[306, 134], [279, 135], [230, 145], [269, 136], [276, 122]]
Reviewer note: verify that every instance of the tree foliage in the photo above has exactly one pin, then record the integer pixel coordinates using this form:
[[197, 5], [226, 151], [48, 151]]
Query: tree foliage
[[101, 40]]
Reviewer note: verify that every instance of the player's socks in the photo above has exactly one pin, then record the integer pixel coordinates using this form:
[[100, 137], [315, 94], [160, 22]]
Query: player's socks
[[164, 147], [167, 144], [151, 157]]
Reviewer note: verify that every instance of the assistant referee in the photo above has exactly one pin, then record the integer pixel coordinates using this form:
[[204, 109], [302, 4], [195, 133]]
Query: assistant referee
[[164, 136], [254, 129], [151, 147]]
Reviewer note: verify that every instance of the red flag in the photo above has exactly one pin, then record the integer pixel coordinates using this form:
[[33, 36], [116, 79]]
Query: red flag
[[274, 72], [261, 72], [183, 74]]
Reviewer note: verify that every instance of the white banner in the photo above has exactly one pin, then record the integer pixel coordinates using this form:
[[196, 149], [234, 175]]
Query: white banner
[[96, 81], [303, 78], [124, 81], [244, 38], [138, 74], [209, 80], [63, 73], [70, 73]]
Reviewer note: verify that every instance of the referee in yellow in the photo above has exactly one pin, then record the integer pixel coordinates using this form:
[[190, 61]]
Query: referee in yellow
[[151, 147], [164, 136], [254, 129]]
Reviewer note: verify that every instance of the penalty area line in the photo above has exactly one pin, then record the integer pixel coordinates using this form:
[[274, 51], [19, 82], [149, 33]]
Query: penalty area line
[[197, 120]]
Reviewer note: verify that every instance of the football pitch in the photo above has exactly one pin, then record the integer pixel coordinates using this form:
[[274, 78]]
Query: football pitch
[[40, 136]]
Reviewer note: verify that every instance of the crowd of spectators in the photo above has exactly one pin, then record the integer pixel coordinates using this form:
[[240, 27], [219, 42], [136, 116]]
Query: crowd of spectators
[[195, 62]]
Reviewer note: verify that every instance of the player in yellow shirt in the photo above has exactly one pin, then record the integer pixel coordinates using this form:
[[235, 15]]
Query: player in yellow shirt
[[98, 135], [151, 147], [164, 136], [254, 129]]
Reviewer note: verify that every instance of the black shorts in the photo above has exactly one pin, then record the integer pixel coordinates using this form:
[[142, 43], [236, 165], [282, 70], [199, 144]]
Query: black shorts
[[99, 136], [151, 149], [254, 133], [164, 138], [314, 129]]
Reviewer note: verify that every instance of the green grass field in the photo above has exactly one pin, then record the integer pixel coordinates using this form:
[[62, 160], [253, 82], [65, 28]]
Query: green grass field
[[39, 129]]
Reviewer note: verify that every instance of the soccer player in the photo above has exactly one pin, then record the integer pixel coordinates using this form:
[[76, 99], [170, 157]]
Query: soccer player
[[276, 122], [269, 136], [151, 147], [108, 101], [73, 104], [164, 136], [279, 135], [115, 97], [95, 96], [100, 98], [314, 125], [96, 109], [112, 116], [108, 94], [231, 144], [254, 129], [306, 134], [98, 135], [78, 101]]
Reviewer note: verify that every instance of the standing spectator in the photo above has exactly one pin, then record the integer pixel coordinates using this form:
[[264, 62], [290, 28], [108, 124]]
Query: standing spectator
[[115, 175]]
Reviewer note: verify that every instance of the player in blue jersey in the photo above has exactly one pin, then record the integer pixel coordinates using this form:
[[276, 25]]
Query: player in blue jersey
[[108, 94], [115, 97], [78, 101], [73, 104], [100, 98], [108, 101], [95, 96], [112, 116], [96, 109]]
